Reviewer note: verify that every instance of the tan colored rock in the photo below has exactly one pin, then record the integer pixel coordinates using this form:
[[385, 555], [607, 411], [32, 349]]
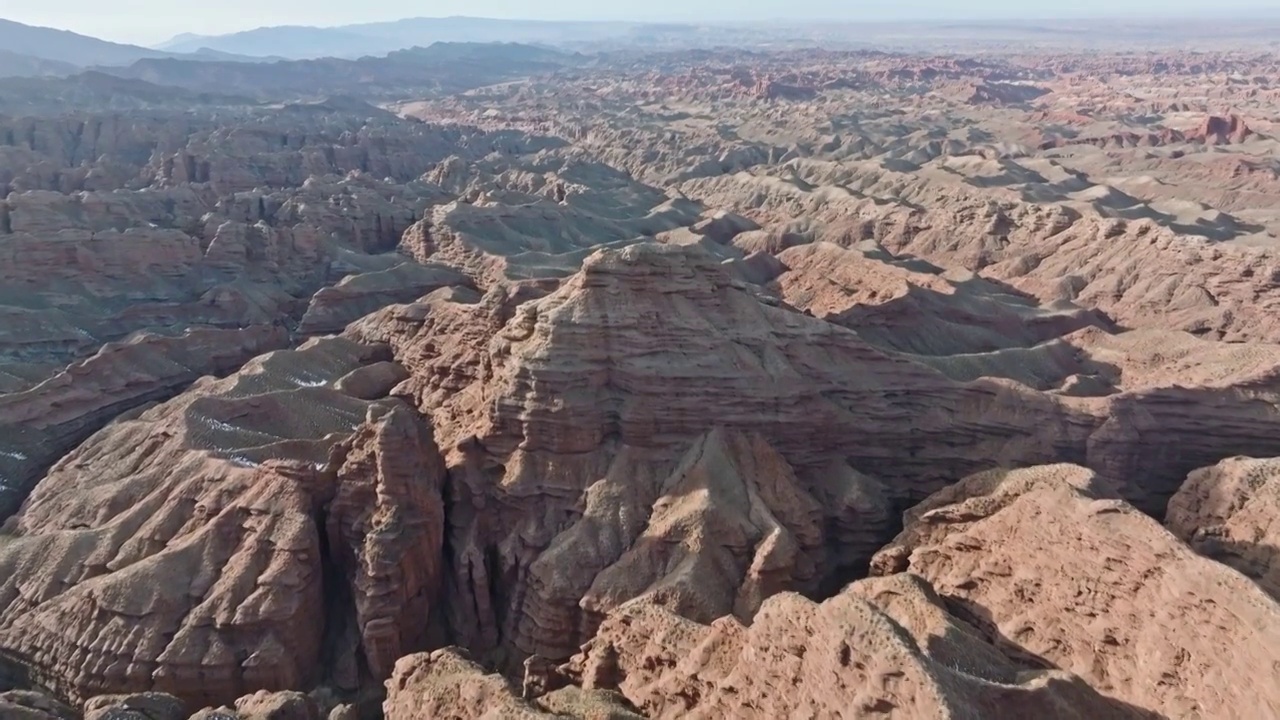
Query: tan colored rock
[[625, 429], [1047, 563], [916, 308], [344, 712], [333, 308], [143, 706], [842, 658], [491, 242], [28, 705], [1228, 512], [1174, 403], [289, 705], [732, 527], [199, 522], [371, 382], [567, 421], [574, 702], [448, 685]]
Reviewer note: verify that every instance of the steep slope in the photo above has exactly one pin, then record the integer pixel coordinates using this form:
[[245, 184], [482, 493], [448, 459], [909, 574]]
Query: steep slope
[[1048, 564], [14, 64], [1228, 512], [581, 435], [41, 424], [265, 531], [68, 47], [664, 347], [63, 48]]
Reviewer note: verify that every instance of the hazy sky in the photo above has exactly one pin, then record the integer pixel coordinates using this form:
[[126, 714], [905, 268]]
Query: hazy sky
[[151, 21]]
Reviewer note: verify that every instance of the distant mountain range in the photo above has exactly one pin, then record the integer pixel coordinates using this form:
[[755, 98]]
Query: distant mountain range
[[29, 51], [342, 58], [439, 68], [13, 64], [289, 85], [350, 41]]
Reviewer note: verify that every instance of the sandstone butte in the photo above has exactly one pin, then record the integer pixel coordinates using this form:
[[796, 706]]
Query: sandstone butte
[[687, 384]]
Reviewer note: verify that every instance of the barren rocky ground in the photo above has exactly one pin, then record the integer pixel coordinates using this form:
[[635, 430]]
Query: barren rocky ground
[[643, 384]]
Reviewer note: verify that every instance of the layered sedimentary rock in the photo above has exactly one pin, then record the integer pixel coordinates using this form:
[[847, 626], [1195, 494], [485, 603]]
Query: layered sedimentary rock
[[606, 390], [448, 685], [355, 296], [1228, 512], [258, 532], [386, 528], [1148, 437], [1038, 225], [1047, 563], [587, 473], [845, 656], [224, 221], [912, 307], [490, 241], [1183, 403], [40, 424], [870, 274]]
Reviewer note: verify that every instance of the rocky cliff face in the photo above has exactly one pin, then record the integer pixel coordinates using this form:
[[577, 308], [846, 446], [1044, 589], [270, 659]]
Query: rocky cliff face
[[650, 465], [1120, 583], [42, 423], [845, 655], [1225, 513], [250, 542], [580, 479]]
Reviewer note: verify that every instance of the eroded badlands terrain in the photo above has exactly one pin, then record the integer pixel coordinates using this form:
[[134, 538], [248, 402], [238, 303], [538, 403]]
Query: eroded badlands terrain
[[692, 384]]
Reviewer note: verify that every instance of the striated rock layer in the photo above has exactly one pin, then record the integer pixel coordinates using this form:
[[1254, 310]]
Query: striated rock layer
[[884, 648], [697, 333], [1056, 571], [39, 425], [1229, 512], [258, 532], [598, 438]]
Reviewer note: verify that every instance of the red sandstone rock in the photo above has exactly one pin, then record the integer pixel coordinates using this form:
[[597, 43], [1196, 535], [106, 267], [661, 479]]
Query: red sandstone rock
[[1221, 130], [577, 403], [198, 521], [657, 428], [845, 655], [1059, 572], [386, 526], [448, 685], [1228, 512]]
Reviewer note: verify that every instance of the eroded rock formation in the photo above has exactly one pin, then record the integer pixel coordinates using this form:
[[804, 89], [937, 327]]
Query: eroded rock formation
[[581, 381], [846, 655], [639, 370], [1049, 563], [1227, 512], [258, 532]]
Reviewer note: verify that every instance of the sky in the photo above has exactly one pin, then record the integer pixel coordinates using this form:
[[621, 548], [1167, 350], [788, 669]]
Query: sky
[[148, 22]]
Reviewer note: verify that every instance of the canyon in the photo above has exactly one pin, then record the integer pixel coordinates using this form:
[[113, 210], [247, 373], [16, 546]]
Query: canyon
[[513, 381]]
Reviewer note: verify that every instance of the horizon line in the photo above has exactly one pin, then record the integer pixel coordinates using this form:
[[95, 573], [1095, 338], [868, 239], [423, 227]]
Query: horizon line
[[1213, 16]]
